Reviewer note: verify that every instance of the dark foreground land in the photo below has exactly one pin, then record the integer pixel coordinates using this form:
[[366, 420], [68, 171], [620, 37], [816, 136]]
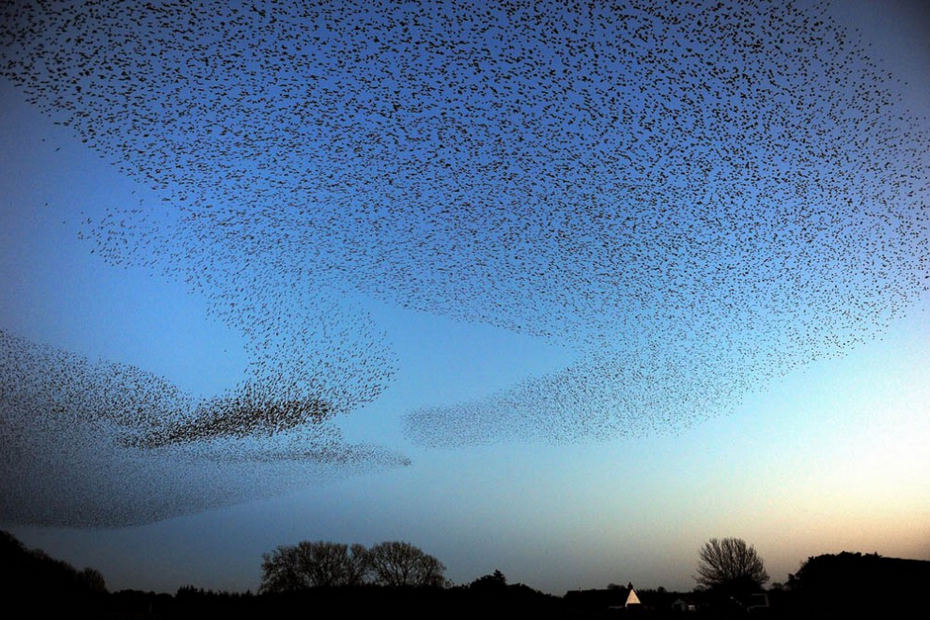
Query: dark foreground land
[[33, 585]]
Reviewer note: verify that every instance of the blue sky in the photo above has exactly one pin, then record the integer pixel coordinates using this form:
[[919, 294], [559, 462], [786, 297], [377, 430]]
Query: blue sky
[[809, 458]]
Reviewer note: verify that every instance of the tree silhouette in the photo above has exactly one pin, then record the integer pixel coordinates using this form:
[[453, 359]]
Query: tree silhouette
[[828, 583], [495, 581], [730, 566], [313, 564], [401, 564], [34, 584], [326, 564], [93, 580]]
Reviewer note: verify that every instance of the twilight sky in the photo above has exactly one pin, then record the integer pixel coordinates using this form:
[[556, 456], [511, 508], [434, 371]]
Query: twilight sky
[[556, 289]]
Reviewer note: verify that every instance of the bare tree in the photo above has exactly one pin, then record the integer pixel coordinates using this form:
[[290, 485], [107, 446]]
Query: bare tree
[[402, 564], [281, 572], [93, 580], [731, 566], [359, 565], [313, 564]]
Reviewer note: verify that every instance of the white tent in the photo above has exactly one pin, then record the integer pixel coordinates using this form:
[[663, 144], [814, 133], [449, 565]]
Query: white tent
[[632, 599]]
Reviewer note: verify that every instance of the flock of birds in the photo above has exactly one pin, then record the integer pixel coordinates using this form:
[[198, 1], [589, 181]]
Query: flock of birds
[[102, 444], [696, 197]]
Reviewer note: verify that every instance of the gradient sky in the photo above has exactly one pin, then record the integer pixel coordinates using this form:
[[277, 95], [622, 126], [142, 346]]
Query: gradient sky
[[826, 456]]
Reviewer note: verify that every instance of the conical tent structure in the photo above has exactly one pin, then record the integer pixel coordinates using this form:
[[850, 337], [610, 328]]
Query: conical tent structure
[[632, 599]]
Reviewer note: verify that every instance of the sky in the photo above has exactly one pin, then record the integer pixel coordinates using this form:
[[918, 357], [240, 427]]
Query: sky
[[559, 291]]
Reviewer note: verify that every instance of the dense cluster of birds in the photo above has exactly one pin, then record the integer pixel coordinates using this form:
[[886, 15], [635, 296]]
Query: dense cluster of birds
[[90, 444], [696, 197]]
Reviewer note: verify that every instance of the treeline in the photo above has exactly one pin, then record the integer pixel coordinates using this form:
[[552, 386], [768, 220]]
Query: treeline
[[32, 577], [394, 578], [320, 564], [850, 583]]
